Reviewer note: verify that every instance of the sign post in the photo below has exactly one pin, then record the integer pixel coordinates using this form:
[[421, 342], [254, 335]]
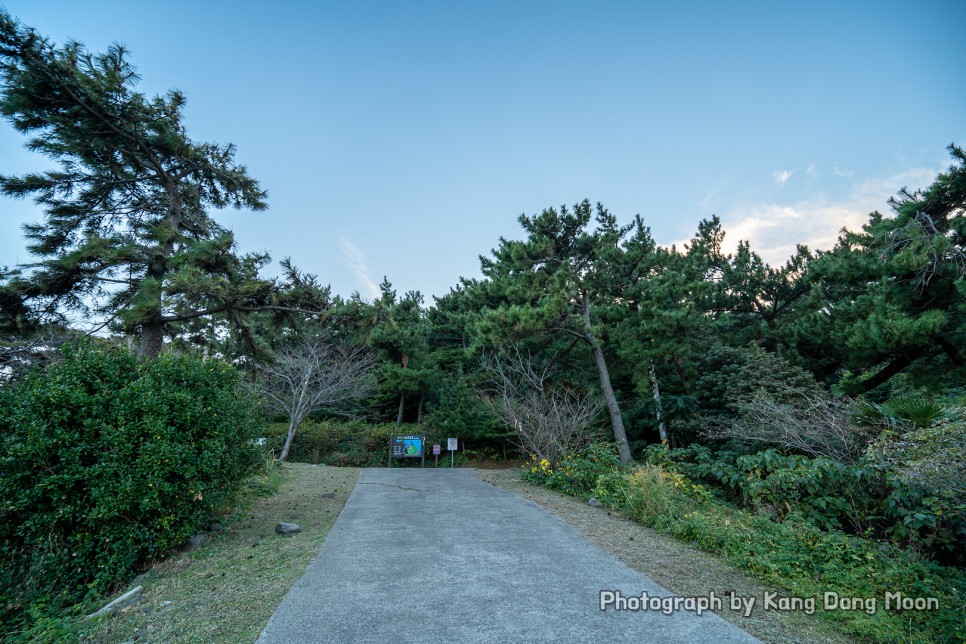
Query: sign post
[[436, 453], [452, 444]]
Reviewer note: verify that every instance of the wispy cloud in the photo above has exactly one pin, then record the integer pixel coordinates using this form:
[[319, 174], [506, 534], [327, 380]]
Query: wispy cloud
[[774, 229], [812, 170], [839, 172], [782, 176], [360, 267]]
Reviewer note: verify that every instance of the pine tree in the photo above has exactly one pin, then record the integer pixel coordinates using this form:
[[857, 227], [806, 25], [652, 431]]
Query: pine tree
[[127, 234], [894, 293], [555, 282]]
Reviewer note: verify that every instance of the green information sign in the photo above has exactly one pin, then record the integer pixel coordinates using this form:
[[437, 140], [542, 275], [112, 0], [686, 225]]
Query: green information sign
[[407, 447]]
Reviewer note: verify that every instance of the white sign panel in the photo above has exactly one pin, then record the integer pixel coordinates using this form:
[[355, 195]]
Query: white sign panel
[[452, 444]]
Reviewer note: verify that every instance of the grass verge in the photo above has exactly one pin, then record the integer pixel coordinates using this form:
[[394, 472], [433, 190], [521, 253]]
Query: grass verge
[[227, 590]]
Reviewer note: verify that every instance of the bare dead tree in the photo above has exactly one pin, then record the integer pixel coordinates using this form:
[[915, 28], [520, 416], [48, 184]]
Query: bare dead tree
[[550, 420], [310, 375], [801, 421]]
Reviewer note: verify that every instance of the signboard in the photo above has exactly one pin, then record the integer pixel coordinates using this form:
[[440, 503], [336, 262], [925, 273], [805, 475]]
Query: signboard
[[407, 447], [452, 444], [436, 449]]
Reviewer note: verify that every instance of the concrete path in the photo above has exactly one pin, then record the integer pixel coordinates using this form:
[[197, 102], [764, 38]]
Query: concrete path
[[440, 556]]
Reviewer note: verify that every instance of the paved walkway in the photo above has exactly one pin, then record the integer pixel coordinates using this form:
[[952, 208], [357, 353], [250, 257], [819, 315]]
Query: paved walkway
[[441, 556]]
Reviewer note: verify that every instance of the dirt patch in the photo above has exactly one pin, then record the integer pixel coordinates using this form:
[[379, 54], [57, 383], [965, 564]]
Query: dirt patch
[[496, 465], [675, 565]]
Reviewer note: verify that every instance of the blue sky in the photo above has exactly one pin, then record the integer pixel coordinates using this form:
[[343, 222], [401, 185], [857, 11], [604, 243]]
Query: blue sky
[[405, 138]]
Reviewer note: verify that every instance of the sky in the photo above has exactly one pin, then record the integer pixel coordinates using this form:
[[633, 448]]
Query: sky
[[404, 139]]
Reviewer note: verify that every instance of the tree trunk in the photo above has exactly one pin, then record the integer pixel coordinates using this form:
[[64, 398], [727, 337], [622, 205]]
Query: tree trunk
[[612, 407], [679, 366], [152, 340], [951, 351], [419, 409], [289, 439], [152, 330], [402, 405], [617, 423], [658, 407]]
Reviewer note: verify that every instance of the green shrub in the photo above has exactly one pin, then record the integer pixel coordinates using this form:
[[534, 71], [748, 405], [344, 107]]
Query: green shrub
[[595, 470], [657, 497], [796, 553], [807, 561], [919, 411], [928, 470], [732, 374], [353, 443], [458, 411], [870, 497], [108, 463]]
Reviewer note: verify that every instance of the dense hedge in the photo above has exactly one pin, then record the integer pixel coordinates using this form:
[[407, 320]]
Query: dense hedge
[[107, 463], [358, 444], [343, 444]]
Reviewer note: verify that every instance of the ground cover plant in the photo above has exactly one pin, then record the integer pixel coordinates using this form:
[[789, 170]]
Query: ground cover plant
[[679, 566], [794, 553]]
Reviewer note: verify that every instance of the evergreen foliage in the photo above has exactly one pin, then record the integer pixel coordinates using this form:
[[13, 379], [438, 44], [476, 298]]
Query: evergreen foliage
[[127, 235], [741, 370], [894, 293], [107, 463]]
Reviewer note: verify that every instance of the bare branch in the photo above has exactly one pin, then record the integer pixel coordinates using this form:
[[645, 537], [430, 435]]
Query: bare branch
[[550, 420], [801, 421], [310, 375]]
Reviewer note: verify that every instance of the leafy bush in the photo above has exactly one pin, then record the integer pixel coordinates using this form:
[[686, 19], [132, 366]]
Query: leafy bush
[[820, 489], [358, 444], [108, 463], [595, 470], [347, 443], [918, 411], [867, 498], [795, 554], [806, 560], [458, 410], [658, 494], [928, 466], [732, 374], [337, 443], [752, 400]]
